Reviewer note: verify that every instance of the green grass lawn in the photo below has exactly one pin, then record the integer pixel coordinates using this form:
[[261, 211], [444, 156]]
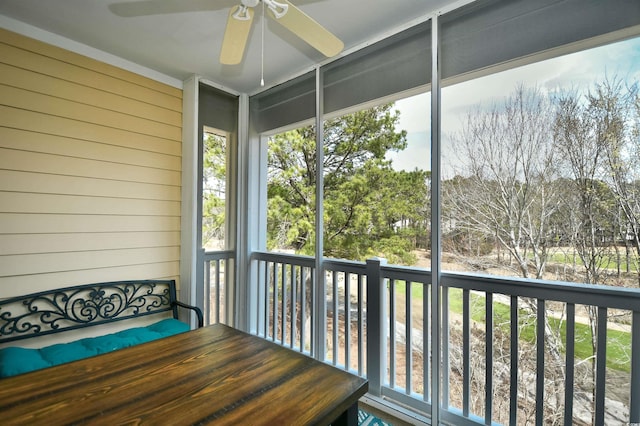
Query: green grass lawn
[[607, 262], [617, 341]]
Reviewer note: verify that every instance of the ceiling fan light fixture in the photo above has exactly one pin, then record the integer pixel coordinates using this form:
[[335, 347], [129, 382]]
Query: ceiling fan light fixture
[[242, 14], [285, 13], [278, 9]]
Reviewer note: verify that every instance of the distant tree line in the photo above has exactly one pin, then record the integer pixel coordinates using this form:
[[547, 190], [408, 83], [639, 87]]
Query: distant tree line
[[541, 172], [535, 173]]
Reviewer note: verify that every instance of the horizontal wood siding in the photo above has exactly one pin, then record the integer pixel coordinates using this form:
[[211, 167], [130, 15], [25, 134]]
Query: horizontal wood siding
[[90, 169]]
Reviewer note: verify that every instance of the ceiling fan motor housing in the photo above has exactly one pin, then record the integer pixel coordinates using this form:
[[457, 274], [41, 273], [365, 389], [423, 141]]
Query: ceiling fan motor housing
[[292, 18], [250, 3]]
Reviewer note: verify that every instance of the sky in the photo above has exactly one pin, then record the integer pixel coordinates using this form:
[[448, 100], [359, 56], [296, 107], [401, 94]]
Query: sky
[[575, 71]]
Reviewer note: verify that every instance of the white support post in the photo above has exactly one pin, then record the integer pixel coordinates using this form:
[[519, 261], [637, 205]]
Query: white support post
[[189, 244], [320, 314], [436, 237], [376, 326], [245, 301]]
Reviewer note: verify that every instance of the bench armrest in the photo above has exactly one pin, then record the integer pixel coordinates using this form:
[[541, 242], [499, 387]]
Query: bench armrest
[[193, 308]]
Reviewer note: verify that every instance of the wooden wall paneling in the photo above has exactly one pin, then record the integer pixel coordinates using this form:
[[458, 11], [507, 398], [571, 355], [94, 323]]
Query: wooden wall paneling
[[42, 223], [25, 140], [21, 284], [45, 163], [41, 263], [15, 244], [40, 48], [17, 202], [57, 107], [68, 71], [93, 96], [68, 128], [32, 182], [90, 170]]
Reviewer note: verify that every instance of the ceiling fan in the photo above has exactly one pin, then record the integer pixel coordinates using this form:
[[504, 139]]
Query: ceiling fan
[[291, 17]]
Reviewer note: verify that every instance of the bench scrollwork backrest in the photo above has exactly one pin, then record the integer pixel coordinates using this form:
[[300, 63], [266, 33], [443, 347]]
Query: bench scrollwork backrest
[[69, 308]]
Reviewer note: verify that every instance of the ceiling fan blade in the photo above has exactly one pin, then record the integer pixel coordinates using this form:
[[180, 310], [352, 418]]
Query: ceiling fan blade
[[308, 30], [236, 35]]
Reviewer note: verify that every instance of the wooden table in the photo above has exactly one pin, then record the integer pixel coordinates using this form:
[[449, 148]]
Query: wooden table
[[214, 375]]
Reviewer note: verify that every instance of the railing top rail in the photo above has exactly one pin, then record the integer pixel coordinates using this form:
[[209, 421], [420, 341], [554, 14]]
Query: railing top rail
[[350, 266], [577, 293], [219, 255], [293, 259], [408, 273], [581, 294]]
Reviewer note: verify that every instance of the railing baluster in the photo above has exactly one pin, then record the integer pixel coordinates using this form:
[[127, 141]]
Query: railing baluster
[[336, 343], [224, 301], [540, 332], [267, 277], [601, 366], [426, 342], [258, 299], [634, 400], [446, 365], [294, 301], [314, 313], [408, 343], [513, 391], [303, 308], [569, 363], [207, 290], [274, 329], [392, 333], [360, 326], [347, 321], [229, 292], [283, 313], [488, 393], [466, 353], [218, 291]]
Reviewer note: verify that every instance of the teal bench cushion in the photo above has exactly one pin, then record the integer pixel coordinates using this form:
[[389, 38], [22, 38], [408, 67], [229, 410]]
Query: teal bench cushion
[[65, 352], [16, 360], [169, 327]]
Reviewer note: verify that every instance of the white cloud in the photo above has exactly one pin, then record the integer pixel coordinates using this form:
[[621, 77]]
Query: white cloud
[[417, 155], [415, 113], [575, 71]]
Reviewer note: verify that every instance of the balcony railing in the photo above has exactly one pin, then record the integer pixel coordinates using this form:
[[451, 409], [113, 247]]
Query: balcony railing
[[513, 350], [219, 289]]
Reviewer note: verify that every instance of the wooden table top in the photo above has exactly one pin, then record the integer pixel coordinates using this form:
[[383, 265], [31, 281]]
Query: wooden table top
[[215, 374]]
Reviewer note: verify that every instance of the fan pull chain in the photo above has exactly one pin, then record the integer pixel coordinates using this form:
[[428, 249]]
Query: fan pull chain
[[262, 50]]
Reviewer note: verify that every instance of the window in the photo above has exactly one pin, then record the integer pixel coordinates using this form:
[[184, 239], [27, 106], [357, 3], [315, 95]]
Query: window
[[214, 190], [217, 157], [376, 182], [291, 191], [540, 182]]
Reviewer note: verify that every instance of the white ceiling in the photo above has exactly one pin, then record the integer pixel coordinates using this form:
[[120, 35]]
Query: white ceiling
[[179, 38]]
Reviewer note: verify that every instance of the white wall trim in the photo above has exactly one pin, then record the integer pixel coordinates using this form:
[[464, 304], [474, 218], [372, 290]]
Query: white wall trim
[[27, 30], [219, 87]]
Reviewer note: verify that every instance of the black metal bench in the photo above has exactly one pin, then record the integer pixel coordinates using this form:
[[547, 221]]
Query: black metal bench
[[73, 308]]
